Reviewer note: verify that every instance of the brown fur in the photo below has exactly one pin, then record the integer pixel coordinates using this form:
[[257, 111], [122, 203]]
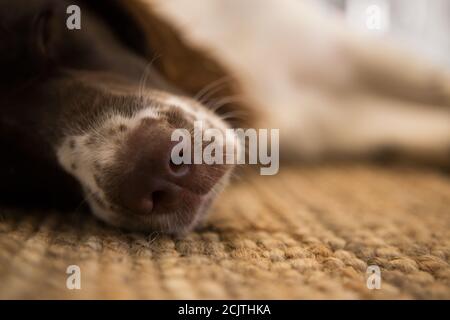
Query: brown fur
[[71, 81]]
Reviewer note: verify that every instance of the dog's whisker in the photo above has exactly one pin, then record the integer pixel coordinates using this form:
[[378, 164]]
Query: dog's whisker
[[144, 77], [236, 114], [215, 85]]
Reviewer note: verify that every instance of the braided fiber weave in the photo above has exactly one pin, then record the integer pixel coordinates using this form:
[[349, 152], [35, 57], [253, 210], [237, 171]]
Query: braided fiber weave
[[304, 233]]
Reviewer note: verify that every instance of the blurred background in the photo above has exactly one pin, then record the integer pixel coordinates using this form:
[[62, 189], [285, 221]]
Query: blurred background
[[421, 25], [312, 230]]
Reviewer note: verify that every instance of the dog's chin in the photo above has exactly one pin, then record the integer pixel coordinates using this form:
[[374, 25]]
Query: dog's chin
[[172, 221]]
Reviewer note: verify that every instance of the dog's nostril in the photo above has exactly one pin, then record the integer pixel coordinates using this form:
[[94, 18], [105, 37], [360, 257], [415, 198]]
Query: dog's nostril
[[159, 197], [178, 169]]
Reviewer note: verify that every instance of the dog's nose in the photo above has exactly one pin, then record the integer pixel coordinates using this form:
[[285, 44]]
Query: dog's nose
[[150, 178], [151, 182]]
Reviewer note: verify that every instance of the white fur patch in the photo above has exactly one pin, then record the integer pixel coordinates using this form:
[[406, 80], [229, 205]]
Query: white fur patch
[[82, 155]]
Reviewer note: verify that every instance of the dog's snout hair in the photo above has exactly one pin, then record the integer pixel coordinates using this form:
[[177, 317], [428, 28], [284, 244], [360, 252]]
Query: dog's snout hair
[[123, 160], [86, 102]]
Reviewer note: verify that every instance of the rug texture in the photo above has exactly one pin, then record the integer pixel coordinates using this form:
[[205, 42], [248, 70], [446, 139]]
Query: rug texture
[[308, 232]]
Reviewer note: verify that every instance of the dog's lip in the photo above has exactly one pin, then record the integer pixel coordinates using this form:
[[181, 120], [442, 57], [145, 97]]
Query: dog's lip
[[132, 221], [184, 219], [198, 198]]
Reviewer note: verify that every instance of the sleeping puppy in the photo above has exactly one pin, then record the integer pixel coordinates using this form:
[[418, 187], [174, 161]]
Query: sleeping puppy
[[83, 114]]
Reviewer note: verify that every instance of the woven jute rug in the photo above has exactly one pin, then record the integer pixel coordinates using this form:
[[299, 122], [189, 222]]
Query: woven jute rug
[[307, 232]]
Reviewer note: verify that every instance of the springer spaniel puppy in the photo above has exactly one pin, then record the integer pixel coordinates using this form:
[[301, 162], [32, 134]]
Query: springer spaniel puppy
[[85, 116], [82, 104]]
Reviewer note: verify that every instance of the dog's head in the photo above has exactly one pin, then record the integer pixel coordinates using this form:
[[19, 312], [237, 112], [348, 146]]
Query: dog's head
[[107, 115]]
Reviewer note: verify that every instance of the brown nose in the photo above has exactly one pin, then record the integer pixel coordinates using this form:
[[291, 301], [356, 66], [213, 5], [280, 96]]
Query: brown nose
[[151, 182]]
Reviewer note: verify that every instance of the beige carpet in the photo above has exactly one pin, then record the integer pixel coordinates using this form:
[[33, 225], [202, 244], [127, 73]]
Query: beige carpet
[[306, 233]]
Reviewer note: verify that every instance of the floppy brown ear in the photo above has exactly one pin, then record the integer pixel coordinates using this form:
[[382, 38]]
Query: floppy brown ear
[[46, 28], [190, 69]]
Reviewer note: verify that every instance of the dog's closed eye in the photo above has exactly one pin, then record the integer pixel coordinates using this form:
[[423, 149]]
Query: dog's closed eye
[[43, 32], [46, 28]]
